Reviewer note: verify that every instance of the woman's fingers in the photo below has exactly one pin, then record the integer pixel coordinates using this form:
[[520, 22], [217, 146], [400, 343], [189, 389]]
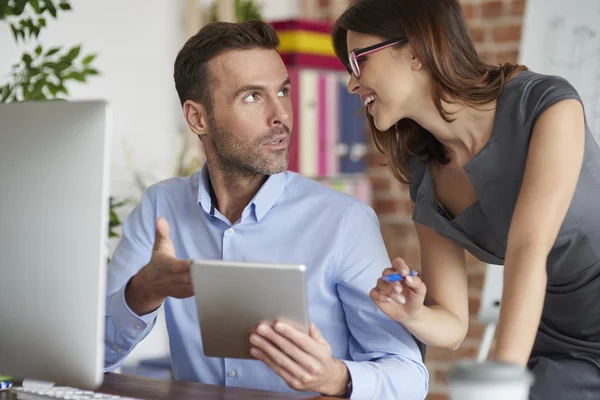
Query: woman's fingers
[[415, 284], [400, 266], [391, 291]]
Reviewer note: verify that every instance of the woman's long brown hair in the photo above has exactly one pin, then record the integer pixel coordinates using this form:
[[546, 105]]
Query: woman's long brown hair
[[439, 35]]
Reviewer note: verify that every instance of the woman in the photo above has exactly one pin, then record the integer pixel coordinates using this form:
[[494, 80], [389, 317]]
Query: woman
[[500, 162]]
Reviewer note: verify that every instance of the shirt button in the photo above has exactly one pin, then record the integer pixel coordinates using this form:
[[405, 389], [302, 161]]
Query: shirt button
[[137, 327], [232, 373], [118, 350], [230, 231]]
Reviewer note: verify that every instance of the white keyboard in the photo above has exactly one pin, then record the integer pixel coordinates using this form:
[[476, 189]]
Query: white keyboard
[[61, 392]]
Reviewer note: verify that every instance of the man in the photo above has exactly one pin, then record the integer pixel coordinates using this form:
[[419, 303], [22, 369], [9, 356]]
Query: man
[[244, 205]]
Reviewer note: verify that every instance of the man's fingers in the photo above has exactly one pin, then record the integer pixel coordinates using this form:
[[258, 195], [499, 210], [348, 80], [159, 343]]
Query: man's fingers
[[180, 267], [308, 363], [184, 291], [315, 333], [292, 381], [162, 228], [277, 359], [162, 240]]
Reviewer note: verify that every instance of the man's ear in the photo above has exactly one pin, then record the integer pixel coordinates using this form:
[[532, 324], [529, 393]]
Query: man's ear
[[196, 117]]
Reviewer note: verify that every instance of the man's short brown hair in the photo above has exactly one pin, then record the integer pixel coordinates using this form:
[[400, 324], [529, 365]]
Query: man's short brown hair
[[192, 75]]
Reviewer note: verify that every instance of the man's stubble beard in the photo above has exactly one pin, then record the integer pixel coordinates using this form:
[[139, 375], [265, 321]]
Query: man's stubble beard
[[246, 159]]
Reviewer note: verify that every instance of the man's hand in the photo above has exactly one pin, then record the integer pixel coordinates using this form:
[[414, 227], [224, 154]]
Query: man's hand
[[164, 276], [303, 361]]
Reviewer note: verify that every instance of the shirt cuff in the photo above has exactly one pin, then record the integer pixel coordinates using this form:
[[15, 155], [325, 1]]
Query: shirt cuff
[[126, 321], [364, 379]]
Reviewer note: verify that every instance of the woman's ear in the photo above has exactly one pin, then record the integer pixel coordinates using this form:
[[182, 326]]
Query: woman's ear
[[415, 62]]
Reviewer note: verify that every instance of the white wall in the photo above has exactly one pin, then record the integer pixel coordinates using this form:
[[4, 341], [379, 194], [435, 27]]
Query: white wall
[[136, 42]]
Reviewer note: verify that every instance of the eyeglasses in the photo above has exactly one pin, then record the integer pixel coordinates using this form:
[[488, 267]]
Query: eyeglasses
[[354, 55]]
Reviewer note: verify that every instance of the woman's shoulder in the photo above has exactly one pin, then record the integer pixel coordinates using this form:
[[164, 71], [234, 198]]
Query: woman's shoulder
[[532, 93]]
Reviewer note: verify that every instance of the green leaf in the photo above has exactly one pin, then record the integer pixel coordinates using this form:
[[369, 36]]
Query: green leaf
[[73, 53], [119, 204], [39, 85], [38, 50], [88, 59], [35, 71], [91, 71], [6, 92], [63, 89], [3, 8], [27, 59], [31, 27], [113, 216], [53, 51], [36, 5], [38, 96], [15, 32], [26, 93], [42, 22], [69, 76], [65, 6], [52, 65], [50, 6], [52, 88], [79, 77], [19, 7], [61, 66]]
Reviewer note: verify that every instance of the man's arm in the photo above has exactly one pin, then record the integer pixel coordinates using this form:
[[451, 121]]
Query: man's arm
[[123, 327], [386, 362]]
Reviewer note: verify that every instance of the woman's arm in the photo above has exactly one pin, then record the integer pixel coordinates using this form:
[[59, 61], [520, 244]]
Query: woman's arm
[[553, 165], [444, 320]]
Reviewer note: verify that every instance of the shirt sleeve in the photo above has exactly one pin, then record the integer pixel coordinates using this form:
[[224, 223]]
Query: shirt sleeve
[[386, 361], [123, 328]]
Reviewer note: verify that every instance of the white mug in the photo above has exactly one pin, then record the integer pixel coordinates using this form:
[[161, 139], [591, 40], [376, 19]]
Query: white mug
[[489, 380]]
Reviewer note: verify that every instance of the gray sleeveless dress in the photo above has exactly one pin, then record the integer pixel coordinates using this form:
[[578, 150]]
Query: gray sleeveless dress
[[566, 355]]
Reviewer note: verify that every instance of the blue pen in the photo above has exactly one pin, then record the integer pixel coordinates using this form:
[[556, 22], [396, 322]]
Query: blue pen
[[398, 277], [5, 385]]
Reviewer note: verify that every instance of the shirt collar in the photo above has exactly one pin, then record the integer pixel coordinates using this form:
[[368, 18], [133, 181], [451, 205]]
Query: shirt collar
[[263, 201]]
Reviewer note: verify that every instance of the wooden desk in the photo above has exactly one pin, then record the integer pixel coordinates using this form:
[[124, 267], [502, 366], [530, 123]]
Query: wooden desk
[[165, 389]]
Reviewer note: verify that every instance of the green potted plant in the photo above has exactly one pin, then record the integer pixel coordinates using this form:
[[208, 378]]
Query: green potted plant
[[245, 10]]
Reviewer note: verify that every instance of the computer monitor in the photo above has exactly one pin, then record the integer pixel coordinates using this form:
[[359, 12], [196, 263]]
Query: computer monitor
[[54, 179]]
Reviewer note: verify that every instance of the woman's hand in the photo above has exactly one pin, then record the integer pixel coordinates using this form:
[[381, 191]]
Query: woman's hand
[[402, 300]]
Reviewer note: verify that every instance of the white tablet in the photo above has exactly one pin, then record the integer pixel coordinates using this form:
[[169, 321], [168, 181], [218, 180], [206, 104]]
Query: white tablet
[[232, 298]]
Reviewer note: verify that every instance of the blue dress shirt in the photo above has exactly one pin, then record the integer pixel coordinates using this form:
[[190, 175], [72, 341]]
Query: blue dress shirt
[[292, 219]]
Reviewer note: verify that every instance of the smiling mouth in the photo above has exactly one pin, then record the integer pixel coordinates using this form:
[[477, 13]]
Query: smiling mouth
[[369, 100]]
